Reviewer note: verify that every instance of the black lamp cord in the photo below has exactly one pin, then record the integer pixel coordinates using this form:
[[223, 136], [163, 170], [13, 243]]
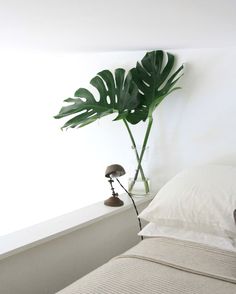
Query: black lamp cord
[[135, 207]]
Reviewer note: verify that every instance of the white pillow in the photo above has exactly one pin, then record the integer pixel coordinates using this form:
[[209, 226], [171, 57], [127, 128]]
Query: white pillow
[[154, 230], [200, 199]]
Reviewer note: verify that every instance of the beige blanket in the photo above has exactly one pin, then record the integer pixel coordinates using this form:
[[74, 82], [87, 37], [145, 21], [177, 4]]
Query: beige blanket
[[163, 266]]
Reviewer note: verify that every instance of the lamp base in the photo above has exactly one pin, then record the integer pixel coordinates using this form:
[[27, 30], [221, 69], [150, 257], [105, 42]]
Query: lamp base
[[114, 201]]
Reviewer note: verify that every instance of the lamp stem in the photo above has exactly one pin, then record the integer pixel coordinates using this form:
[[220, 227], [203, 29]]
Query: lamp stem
[[112, 188], [135, 207]]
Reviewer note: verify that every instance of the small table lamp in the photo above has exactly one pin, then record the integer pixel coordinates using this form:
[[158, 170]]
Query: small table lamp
[[114, 171]]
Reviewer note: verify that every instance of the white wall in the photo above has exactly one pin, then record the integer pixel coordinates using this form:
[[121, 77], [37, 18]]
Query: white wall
[[75, 25], [38, 173], [46, 172]]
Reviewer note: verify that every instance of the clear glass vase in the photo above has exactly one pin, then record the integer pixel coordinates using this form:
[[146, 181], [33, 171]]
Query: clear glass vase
[[139, 182]]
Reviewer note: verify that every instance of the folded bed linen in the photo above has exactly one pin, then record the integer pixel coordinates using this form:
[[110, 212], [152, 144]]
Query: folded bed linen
[[162, 266]]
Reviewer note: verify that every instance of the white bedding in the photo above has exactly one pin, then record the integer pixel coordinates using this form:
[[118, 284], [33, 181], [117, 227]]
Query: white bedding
[[154, 230], [163, 266], [198, 205]]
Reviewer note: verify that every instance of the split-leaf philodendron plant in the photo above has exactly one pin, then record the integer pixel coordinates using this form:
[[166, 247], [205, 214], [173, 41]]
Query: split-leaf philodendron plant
[[133, 96]]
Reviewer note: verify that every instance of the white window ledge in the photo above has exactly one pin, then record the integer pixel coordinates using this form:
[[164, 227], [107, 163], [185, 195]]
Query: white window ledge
[[38, 234]]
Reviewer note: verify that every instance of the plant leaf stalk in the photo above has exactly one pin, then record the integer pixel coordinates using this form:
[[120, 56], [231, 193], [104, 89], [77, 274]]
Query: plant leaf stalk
[[138, 160], [150, 121]]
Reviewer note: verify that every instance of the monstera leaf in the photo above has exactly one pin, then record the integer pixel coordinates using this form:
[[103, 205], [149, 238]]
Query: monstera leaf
[[134, 97], [117, 93], [154, 80]]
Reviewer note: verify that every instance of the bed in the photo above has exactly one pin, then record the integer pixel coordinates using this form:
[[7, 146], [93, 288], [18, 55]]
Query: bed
[[190, 244]]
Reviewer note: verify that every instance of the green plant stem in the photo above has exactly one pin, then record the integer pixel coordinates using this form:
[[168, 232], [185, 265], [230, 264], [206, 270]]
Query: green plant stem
[[137, 155], [150, 121], [139, 160]]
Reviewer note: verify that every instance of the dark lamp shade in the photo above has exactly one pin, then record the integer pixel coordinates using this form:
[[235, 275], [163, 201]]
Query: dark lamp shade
[[114, 171]]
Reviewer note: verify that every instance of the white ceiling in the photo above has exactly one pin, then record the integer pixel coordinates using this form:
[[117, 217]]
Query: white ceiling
[[106, 25]]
